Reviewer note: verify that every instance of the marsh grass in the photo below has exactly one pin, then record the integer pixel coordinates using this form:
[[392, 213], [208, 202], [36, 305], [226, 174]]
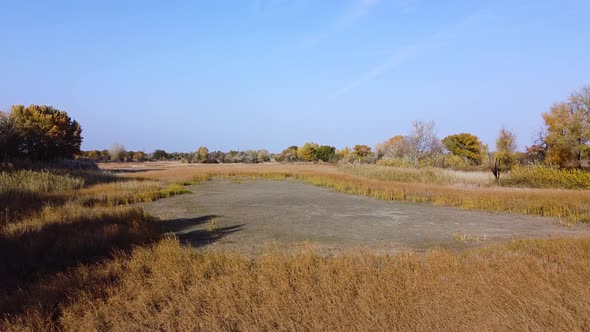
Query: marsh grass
[[43, 182], [104, 266], [523, 285], [127, 192], [69, 224], [430, 175], [539, 176]]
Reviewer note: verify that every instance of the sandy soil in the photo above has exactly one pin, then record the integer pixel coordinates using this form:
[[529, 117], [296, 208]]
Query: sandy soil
[[248, 216]]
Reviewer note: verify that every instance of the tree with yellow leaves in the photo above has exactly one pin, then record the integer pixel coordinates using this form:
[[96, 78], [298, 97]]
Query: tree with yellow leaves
[[568, 130], [45, 132]]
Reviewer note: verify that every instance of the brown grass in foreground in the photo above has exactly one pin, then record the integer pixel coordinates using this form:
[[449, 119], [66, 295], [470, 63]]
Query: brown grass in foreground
[[571, 205], [68, 225], [523, 285]]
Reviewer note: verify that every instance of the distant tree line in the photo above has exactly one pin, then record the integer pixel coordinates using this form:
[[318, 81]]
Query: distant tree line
[[42, 133]]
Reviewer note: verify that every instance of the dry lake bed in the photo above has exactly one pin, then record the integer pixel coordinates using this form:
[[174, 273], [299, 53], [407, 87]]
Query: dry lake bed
[[252, 215]]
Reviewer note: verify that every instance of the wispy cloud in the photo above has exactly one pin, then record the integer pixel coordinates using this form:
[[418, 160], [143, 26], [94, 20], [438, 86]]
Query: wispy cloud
[[349, 16], [408, 52]]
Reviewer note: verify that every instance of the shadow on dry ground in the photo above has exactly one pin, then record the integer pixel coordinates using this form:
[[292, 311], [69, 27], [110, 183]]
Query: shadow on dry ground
[[200, 231]]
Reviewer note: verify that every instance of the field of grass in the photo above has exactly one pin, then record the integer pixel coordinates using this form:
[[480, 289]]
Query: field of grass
[[85, 259], [523, 285], [421, 175], [546, 177]]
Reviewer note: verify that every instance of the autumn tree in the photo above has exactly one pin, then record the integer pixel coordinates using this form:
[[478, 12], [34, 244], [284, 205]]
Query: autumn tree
[[361, 151], [201, 155], [45, 132], [263, 156], [505, 150], [568, 130], [289, 154], [395, 147], [9, 138], [422, 140], [344, 154], [139, 156], [464, 145], [307, 152]]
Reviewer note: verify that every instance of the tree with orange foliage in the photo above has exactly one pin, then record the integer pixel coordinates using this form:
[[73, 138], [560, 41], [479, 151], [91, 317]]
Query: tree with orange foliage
[[394, 147]]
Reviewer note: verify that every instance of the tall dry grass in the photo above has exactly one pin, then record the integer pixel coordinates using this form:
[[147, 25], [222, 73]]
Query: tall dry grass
[[524, 285], [94, 263], [430, 175], [66, 225], [539, 176], [43, 182], [570, 205]]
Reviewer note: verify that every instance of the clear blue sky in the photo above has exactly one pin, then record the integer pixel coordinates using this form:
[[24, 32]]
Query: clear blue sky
[[273, 73]]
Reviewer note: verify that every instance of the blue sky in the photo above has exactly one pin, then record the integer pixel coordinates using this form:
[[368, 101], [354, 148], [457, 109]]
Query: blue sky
[[273, 73]]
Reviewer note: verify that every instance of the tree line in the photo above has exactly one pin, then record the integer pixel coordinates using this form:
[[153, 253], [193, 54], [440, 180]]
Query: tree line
[[42, 133]]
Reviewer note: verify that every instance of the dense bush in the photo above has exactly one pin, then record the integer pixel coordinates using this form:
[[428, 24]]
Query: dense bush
[[325, 153], [160, 155]]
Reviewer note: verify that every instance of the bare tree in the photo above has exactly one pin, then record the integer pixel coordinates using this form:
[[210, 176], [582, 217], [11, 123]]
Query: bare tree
[[117, 152], [422, 139]]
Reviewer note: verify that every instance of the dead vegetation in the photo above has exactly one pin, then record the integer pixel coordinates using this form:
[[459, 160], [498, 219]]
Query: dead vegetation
[[523, 285], [92, 262]]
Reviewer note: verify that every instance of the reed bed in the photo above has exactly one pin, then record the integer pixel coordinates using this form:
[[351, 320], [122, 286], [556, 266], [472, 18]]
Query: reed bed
[[523, 285], [43, 182], [430, 175], [539, 176]]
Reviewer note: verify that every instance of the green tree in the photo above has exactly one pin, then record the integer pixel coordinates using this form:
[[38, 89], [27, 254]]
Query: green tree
[[160, 155], [325, 153], [46, 133], [464, 145]]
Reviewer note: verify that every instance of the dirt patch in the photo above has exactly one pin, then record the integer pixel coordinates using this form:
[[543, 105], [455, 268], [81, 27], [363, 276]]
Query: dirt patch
[[250, 215]]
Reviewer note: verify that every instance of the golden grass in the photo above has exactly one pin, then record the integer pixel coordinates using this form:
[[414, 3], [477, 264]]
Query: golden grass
[[430, 175], [63, 225], [571, 205], [91, 262], [524, 285], [539, 176], [43, 182]]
